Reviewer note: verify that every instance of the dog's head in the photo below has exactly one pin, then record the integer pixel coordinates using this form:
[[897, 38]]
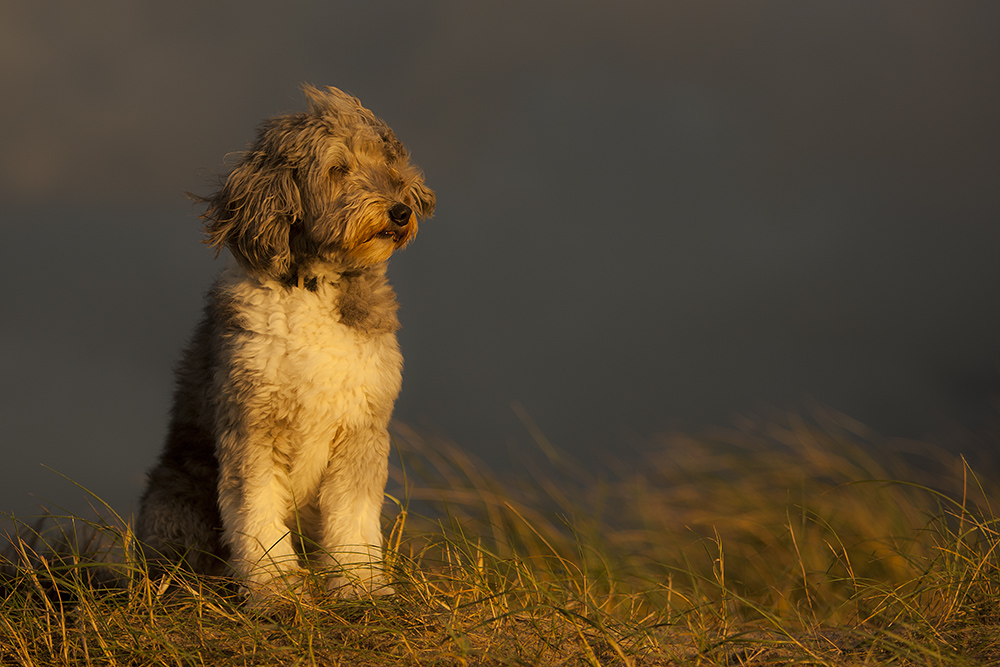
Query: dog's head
[[331, 183]]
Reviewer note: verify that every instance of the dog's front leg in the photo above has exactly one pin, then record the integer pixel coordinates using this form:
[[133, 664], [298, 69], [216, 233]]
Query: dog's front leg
[[255, 501], [350, 503]]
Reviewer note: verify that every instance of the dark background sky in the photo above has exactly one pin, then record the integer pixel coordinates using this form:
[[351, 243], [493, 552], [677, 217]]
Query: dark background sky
[[650, 215]]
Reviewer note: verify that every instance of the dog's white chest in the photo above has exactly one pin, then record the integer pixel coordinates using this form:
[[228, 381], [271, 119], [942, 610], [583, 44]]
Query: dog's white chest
[[315, 373]]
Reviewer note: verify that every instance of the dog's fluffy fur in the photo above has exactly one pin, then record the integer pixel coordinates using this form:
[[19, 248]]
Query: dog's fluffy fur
[[278, 445]]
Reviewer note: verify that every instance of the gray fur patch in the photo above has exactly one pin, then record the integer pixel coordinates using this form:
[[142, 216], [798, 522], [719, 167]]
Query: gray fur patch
[[367, 303]]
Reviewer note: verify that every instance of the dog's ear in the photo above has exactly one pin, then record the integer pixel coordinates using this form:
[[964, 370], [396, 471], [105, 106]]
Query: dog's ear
[[424, 198], [252, 215]]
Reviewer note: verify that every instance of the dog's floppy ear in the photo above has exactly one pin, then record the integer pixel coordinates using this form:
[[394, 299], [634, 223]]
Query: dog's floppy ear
[[424, 198], [252, 215]]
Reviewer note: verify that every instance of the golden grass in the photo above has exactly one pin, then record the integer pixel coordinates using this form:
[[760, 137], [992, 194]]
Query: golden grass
[[805, 541]]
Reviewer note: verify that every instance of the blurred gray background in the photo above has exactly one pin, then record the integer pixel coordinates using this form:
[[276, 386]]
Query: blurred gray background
[[651, 216]]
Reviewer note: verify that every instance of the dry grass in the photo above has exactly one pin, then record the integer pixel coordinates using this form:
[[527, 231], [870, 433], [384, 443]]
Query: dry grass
[[793, 541]]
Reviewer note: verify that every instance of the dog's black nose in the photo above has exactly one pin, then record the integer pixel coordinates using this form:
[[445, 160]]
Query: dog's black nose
[[400, 214]]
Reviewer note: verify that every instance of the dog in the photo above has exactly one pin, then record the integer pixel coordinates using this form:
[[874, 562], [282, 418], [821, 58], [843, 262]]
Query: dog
[[276, 457]]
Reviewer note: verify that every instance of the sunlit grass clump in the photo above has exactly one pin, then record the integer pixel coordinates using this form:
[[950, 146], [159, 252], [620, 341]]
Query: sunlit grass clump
[[793, 540]]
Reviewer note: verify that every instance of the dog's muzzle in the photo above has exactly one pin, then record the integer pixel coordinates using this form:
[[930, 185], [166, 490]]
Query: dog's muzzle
[[399, 220]]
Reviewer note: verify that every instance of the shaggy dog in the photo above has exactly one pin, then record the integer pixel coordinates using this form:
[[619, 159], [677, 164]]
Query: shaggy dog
[[277, 450]]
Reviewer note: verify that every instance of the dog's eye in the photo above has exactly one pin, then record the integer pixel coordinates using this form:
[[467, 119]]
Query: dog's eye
[[339, 169]]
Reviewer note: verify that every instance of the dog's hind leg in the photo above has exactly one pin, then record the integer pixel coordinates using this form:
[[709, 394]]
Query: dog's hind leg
[[178, 521]]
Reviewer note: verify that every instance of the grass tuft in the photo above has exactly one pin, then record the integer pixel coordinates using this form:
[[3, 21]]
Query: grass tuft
[[789, 541]]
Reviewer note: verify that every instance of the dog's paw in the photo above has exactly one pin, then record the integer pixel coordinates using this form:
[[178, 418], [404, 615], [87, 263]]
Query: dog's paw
[[354, 589], [274, 592]]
